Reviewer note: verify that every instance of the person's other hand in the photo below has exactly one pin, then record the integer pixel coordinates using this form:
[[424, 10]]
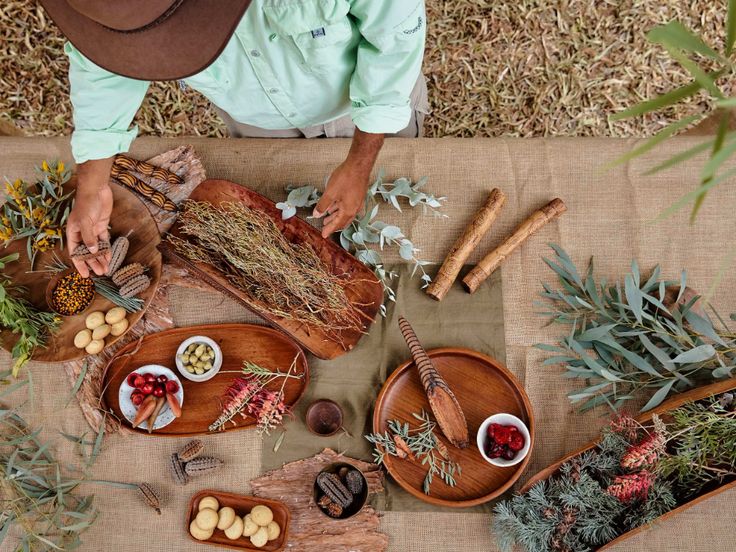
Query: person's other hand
[[343, 197], [90, 217]]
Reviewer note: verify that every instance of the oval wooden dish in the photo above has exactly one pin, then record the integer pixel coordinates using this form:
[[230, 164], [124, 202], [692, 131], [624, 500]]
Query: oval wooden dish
[[365, 291], [242, 505], [483, 386], [263, 346], [662, 411], [129, 215]]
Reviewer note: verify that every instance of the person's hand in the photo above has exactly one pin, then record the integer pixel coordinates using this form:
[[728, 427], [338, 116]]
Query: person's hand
[[343, 198], [90, 217]]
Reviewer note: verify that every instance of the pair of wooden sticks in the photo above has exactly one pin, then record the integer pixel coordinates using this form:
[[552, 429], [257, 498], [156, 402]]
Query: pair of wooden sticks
[[477, 228], [122, 171]]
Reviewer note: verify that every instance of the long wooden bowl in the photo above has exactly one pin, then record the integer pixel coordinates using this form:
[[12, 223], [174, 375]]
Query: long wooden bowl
[[261, 345], [129, 214], [483, 387], [365, 291], [661, 410]]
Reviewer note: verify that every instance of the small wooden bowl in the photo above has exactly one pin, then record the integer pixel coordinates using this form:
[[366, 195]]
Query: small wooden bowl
[[359, 500], [242, 505], [324, 417], [51, 286]]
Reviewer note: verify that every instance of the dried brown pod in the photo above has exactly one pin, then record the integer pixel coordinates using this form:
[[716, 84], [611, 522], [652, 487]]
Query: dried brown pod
[[402, 449], [191, 450], [331, 485], [82, 253], [119, 251], [202, 465], [442, 400], [150, 497], [343, 472], [176, 467], [354, 481], [135, 286], [331, 507], [129, 271]]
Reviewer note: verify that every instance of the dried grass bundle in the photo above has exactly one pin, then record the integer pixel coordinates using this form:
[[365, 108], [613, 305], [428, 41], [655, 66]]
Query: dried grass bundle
[[285, 279]]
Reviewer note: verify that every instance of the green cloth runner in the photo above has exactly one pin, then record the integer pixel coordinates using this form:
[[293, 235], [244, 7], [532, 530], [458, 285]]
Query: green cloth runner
[[354, 380]]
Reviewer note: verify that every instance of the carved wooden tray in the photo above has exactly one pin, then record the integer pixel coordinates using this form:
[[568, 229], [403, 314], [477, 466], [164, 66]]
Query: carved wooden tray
[[129, 213], [483, 387], [242, 505], [366, 293], [662, 411], [264, 346]]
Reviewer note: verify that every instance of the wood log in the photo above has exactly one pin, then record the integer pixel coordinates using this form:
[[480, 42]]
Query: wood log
[[442, 400], [311, 530], [493, 260], [465, 244]]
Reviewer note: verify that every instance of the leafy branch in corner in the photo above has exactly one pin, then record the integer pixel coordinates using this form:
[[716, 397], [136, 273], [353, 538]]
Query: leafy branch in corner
[[646, 337]]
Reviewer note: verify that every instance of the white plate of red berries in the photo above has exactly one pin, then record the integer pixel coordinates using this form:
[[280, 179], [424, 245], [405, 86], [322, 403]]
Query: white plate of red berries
[[503, 440], [146, 385]]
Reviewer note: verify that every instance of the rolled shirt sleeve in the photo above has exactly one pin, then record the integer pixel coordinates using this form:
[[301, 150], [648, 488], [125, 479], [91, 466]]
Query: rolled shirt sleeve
[[389, 62], [104, 106]]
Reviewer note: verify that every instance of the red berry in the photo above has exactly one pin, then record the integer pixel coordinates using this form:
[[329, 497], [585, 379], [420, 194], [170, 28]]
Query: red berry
[[172, 386], [513, 429], [492, 429], [494, 451], [502, 435], [159, 391], [147, 388], [139, 381], [516, 443], [137, 397], [162, 379], [150, 378], [508, 454], [131, 379]]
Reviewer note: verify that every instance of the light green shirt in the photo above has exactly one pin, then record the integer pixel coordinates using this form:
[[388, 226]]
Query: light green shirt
[[290, 64]]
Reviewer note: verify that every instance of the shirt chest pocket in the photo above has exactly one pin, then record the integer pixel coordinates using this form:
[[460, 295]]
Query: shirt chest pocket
[[316, 28]]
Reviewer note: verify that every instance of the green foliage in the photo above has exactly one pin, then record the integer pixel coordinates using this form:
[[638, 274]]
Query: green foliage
[[632, 339], [706, 67], [366, 232], [20, 317]]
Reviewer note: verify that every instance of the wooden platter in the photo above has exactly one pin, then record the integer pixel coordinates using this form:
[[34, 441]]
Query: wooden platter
[[129, 213], [264, 346], [662, 410], [366, 291], [242, 505], [483, 387]]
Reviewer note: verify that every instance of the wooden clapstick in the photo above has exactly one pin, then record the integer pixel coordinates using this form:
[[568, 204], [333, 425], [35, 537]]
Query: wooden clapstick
[[464, 245], [442, 401], [493, 260], [144, 167], [143, 188]]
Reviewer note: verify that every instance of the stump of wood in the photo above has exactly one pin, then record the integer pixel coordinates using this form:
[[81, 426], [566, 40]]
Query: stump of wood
[[310, 529]]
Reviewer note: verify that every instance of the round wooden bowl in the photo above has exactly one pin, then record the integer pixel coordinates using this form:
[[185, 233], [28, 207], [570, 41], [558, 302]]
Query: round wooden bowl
[[129, 213], [359, 500], [483, 386], [52, 285]]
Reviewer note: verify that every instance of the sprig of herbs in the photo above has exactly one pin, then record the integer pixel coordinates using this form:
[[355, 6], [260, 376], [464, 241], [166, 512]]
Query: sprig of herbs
[[645, 337], [423, 444]]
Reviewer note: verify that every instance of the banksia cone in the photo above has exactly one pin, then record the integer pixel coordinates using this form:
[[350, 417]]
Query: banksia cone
[[632, 486], [354, 481], [81, 252], [150, 497], [135, 286], [332, 508], [646, 453], [202, 465], [177, 469], [119, 251], [334, 488], [191, 450], [122, 275]]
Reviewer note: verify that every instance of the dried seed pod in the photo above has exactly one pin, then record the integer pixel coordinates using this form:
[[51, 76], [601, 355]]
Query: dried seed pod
[[191, 450], [150, 497], [354, 481], [334, 488], [124, 274], [135, 286], [81, 252], [343, 472], [202, 465], [333, 509], [119, 251], [177, 469]]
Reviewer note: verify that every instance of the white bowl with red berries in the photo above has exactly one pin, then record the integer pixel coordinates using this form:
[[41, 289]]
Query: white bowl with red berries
[[503, 440], [147, 384]]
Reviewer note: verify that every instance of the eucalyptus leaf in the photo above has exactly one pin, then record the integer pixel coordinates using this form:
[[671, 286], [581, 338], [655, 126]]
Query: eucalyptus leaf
[[659, 396], [698, 354]]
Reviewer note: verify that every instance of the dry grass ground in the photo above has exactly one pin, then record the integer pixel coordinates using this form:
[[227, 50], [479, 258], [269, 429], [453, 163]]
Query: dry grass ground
[[495, 68]]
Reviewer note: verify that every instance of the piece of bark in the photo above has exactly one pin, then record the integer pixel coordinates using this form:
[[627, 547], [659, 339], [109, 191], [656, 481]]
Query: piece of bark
[[442, 400], [465, 244], [493, 260], [311, 530]]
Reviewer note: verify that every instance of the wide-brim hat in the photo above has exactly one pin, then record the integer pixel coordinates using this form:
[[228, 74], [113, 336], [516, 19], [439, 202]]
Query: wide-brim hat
[[148, 39]]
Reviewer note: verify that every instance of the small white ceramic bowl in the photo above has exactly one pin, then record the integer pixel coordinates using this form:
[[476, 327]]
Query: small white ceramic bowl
[[503, 419], [129, 410], [216, 365]]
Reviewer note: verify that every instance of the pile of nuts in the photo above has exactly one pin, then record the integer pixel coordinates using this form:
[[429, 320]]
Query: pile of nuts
[[99, 325]]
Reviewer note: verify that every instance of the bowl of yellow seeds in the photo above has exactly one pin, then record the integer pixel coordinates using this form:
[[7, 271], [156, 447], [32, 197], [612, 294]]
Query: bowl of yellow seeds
[[198, 358], [68, 293]]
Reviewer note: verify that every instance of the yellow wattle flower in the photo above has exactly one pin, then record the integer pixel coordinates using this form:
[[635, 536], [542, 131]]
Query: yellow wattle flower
[[60, 167], [45, 166]]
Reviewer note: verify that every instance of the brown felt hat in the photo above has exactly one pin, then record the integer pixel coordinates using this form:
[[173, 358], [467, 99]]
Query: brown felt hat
[[148, 39]]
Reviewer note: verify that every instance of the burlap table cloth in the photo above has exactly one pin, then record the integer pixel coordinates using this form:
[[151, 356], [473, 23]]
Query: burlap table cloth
[[608, 217]]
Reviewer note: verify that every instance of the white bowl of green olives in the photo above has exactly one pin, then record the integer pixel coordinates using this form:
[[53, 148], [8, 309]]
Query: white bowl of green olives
[[198, 358]]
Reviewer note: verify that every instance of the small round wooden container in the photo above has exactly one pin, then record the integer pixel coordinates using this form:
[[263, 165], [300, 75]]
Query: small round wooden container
[[359, 500], [324, 417], [53, 282]]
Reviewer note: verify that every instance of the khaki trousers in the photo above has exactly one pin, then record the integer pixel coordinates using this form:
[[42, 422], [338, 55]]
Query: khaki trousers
[[339, 128]]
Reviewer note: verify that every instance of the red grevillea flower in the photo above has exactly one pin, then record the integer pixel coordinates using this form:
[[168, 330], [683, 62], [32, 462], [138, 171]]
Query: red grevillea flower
[[268, 408], [626, 426], [236, 400], [631, 486], [646, 453]]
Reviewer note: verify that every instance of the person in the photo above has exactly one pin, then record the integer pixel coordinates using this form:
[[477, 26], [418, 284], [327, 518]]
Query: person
[[278, 68]]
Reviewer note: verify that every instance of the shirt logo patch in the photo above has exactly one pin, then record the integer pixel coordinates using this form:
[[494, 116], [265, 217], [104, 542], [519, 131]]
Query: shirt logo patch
[[316, 33]]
